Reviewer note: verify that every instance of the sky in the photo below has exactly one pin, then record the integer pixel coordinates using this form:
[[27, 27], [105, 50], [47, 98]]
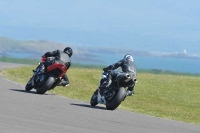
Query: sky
[[149, 25]]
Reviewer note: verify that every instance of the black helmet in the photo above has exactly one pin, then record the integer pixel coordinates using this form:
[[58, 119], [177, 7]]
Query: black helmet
[[128, 57], [68, 51]]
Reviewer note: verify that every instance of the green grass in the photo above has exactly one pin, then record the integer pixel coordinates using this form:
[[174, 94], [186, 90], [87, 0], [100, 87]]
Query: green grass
[[17, 60], [170, 96]]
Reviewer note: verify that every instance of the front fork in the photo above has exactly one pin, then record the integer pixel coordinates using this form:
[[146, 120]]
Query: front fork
[[100, 99]]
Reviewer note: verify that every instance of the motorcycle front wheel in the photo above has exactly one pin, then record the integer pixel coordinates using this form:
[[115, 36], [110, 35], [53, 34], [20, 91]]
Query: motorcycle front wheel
[[29, 86], [93, 100]]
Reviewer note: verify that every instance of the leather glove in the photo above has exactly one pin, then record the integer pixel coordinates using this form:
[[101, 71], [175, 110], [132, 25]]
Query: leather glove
[[105, 69]]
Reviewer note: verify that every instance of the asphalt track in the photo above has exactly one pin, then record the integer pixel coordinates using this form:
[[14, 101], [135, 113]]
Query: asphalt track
[[22, 112]]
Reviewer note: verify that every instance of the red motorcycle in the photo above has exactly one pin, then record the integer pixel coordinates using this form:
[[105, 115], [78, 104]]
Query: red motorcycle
[[46, 80]]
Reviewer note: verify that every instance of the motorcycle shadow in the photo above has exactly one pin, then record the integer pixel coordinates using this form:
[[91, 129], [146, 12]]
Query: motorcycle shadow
[[89, 106], [24, 91]]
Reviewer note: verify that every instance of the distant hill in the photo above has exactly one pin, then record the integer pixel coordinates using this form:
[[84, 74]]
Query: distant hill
[[34, 49], [82, 54], [11, 45]]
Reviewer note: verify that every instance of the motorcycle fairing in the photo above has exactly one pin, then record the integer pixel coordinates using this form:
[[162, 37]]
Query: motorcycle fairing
[[56, 65]]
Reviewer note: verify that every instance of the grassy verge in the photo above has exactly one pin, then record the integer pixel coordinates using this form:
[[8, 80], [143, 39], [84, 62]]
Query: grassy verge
[[168, 96], [18, 60]]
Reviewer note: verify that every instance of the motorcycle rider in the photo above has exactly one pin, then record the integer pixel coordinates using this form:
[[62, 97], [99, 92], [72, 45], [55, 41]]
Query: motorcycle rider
[[61, 57], [127, 65]]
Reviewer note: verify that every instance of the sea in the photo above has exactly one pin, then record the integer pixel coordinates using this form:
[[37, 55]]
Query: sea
[[180, 65]]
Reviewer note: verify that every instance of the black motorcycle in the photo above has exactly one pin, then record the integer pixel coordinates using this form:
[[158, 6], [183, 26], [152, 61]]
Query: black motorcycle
[[116, 93]]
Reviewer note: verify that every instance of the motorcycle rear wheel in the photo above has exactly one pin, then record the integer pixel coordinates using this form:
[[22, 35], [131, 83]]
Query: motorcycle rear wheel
[[117, 99], [46, 86], [93, 100]]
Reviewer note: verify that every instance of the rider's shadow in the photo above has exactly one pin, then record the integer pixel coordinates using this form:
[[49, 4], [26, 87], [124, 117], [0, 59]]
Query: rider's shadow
[[89, 106]]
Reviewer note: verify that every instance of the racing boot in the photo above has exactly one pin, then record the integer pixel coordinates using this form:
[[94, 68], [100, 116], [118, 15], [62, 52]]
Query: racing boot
[[130, 91]]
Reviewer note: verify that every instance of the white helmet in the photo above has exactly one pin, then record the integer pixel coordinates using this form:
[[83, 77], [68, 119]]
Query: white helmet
[[128, 57]]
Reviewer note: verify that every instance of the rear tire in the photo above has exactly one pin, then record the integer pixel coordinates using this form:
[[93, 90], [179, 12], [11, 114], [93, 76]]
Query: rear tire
[[93, 100], [55, 84], [117, 99], [46, 86]]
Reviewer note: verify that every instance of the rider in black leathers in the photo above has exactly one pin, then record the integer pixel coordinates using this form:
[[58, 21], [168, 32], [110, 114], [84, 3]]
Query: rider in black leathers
[[61, 57], [128, 67]]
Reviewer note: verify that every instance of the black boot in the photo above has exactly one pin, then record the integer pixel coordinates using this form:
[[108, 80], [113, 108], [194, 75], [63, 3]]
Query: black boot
[[130, 91]]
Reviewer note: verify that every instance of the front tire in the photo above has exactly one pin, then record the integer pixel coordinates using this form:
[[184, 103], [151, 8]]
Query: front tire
[[93, 100], [46, 86], [29, 86], [117, 99]]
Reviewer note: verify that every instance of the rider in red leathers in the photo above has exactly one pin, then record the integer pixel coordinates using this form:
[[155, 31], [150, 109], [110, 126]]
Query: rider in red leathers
[[61, 57]]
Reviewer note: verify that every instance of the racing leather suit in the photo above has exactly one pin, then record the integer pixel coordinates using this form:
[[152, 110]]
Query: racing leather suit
[[60, 57], [127, 67]]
